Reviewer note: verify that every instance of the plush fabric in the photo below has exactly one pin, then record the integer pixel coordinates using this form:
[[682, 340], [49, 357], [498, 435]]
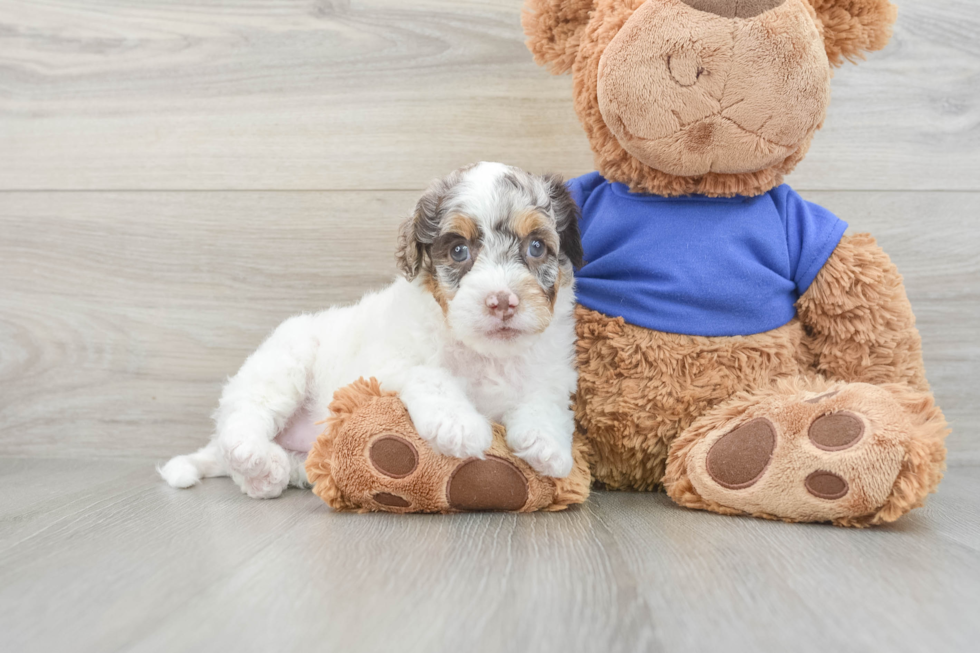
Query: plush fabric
[[639, 389], [823, 414], [729, 97], [370, 458], [573, 36], [647, 397], [708, 121], [852, 27], [554, 30], [698, 265], [891, 470], [860, 322]]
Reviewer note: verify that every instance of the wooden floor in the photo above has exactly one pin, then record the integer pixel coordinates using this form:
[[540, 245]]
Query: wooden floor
[[102, 557], [178, 176]]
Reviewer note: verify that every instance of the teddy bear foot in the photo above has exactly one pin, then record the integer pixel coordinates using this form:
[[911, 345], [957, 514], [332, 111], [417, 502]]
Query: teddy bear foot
[[852, 454], [492, 483], [370, 458]]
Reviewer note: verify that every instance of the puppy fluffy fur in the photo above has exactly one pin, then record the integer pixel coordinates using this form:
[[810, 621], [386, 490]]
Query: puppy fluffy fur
[[480, 329]]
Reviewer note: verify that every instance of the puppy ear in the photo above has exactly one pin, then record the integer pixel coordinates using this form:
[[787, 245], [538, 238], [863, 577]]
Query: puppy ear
[[854, 27], [408, 253], [566, 218], [554, 29], [418, 232]]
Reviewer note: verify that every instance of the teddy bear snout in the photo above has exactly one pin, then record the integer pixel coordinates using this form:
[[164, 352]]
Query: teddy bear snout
[[685, 67], [734, 8]]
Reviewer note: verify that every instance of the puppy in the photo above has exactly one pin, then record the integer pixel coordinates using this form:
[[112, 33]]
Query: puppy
[[480, 329]]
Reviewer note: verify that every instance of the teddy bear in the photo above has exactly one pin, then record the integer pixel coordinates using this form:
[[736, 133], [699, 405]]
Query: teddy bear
[[735, 347]]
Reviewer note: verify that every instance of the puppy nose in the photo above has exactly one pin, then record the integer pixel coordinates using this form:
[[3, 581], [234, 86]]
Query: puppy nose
[[734, 8], [502, 304]]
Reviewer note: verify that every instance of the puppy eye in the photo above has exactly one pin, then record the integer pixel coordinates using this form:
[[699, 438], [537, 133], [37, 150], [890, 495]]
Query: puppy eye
[[460, 253], [535, 249]]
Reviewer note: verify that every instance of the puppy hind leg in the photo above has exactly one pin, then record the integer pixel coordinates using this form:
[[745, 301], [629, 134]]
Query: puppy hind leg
[[259, 401], [188, 470]]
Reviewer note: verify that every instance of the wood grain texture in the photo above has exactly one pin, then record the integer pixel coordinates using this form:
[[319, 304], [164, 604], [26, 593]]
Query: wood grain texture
[[124, 306], [108, 558], [387, 94], [122, 313]]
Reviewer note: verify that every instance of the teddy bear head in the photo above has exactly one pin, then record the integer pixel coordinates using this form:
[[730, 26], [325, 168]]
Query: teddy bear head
[[713, 97]]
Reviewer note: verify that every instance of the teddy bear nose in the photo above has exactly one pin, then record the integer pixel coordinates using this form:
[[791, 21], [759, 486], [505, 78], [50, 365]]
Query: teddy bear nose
[[734, 8], [502, 304]]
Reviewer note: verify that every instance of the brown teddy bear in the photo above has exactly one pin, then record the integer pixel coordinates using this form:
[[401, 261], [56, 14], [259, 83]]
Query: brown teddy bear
[[735, 347]]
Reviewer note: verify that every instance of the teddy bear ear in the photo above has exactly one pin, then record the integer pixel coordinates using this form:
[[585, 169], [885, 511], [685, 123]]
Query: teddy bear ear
[[554, 29], [853, 27]]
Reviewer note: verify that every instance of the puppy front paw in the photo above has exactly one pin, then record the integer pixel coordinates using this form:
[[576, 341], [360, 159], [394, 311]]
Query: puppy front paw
[[541, 450], [260, 467], [455, 431]]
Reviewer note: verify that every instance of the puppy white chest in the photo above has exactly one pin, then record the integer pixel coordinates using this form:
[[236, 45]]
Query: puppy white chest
[[495, 386]]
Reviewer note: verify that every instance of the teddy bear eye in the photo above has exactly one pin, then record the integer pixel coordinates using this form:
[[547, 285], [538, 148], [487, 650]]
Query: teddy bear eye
[[460, 253], [535, 249]]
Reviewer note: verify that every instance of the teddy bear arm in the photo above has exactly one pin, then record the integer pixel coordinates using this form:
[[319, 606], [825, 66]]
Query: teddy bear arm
[[858, 319]]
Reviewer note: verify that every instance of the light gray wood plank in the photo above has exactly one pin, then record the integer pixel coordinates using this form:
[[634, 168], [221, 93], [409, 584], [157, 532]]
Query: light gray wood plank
[[121, 554], [290, 94], [36, 493], [150, 568], [897, 120], [122, 313]]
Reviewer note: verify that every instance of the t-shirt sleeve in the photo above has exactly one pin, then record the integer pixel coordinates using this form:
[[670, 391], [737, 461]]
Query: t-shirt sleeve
[[812, 234], [581, 187]]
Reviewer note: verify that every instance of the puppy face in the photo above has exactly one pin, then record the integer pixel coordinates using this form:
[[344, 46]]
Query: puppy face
[[495, 246]]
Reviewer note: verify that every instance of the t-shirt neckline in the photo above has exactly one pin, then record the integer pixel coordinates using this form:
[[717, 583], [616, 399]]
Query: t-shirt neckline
[[623, 190]]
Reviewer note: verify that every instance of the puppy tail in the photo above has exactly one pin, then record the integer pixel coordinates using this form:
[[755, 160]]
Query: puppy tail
[[185, 471]]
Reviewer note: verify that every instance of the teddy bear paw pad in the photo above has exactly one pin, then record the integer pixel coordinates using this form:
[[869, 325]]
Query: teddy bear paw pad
[[489, 484], [739, 459], [836, 431], [826, 485], [393, 456]]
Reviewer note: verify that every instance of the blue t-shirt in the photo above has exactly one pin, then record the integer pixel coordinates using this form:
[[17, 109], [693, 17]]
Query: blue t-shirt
[[697, 265]]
